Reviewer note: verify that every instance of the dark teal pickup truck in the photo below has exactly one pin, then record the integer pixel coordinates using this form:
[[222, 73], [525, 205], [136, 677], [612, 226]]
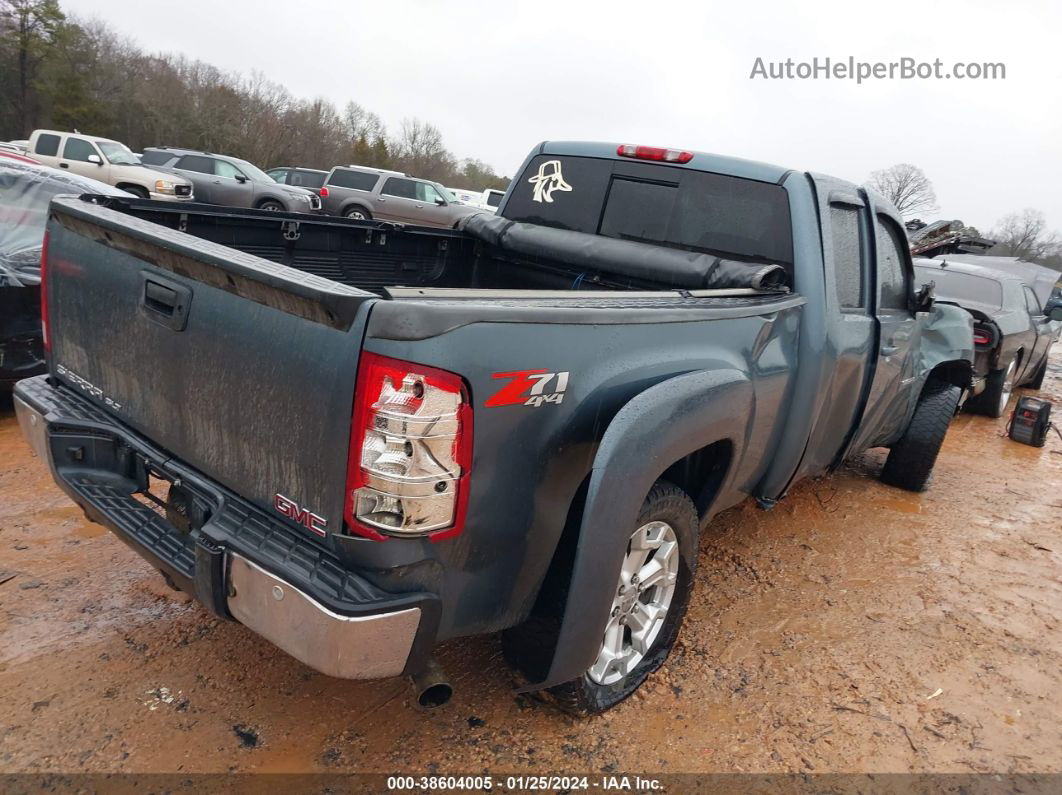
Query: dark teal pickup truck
[[360, 439]]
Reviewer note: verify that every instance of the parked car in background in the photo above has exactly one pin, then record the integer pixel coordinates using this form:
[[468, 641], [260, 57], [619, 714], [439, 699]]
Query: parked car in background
[[492, 197], [19, 146], [1013, 328], [11, 155], [25, 191], [412, 435], [366, 193], [309, 178], [220, 179], [107, 161]]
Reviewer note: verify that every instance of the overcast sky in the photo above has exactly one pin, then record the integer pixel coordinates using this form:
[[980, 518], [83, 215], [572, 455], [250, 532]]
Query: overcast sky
[[497, 77]]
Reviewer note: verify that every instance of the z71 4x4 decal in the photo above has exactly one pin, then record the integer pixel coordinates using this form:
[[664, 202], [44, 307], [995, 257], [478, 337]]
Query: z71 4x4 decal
[[529, 388]]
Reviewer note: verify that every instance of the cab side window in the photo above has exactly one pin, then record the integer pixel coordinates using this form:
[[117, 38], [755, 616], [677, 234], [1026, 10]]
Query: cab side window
[[224, 168], [78, 149], [893, 279], [427, 193], [847, 256], [402, 188]]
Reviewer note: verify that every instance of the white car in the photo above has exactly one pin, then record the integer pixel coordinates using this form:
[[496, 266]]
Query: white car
[[107, 161]]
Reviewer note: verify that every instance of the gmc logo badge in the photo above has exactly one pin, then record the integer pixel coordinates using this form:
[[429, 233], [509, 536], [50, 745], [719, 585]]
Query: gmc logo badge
[[286, 506]]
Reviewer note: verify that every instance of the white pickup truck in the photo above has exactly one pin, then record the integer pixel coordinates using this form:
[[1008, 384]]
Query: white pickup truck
[[111, 162]]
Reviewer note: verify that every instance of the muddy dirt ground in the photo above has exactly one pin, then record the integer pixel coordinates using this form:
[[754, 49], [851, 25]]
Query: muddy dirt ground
[[853, 628]]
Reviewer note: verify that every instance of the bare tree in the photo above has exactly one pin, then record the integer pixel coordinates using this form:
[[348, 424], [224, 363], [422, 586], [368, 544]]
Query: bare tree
[[419, 151], [907, 187], [1025, 235]]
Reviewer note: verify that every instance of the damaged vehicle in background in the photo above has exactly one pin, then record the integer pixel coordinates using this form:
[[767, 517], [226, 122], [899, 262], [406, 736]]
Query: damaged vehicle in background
[[362, 440], [25, 191], [1016, 320]]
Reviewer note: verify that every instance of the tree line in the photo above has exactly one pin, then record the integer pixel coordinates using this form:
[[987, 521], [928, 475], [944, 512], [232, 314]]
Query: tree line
[[1021, 234], [64, 73]]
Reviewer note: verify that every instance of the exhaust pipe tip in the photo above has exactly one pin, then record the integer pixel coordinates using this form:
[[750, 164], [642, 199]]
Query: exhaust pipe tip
[[431, 687]]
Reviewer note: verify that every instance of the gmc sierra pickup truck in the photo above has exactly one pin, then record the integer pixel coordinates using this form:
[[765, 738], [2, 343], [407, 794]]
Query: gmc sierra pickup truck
[[360, 439]]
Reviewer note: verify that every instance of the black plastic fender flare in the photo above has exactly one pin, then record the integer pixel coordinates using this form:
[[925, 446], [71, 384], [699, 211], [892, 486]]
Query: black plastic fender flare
[[655, 429]]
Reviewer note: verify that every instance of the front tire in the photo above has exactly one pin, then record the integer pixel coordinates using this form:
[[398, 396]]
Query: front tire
[[271, 206], [652, 594], [136, 190], [911, 459]]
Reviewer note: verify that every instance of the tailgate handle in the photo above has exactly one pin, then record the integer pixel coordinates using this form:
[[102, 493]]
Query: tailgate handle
[[164, 301]]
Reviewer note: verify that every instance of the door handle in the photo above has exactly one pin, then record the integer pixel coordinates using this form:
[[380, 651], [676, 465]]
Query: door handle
[[164, 301], [889, 350], [64, 165], [217, 182]]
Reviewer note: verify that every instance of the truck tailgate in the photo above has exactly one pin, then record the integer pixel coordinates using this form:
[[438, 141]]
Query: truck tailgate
[[239, 367]]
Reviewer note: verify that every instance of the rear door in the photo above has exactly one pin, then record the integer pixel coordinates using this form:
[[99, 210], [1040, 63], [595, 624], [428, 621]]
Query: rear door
[[850, 327], [199, 170], [397, 200], [46, 149], [895, 376]]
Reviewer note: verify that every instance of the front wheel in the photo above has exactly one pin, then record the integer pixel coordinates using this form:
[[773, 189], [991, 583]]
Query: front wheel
[[652, 592], [271, 206], [911, 459]]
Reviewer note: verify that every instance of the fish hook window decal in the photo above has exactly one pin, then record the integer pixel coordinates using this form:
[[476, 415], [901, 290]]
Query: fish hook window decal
[[549, 179]]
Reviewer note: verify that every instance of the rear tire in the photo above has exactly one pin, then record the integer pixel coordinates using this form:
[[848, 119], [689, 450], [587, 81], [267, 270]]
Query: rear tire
[[1038, 380], [998, 388], [666, 523], [911, 459], [357, 214]]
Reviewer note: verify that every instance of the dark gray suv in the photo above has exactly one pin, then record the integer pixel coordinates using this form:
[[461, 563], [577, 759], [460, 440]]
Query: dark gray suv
[[220, 179], [364, 193]]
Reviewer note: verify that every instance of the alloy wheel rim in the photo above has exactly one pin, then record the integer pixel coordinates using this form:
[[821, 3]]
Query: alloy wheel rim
[[643, 597], [1008, 387]]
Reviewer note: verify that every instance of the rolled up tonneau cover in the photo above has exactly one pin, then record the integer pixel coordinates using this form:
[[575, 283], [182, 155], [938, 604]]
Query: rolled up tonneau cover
[[668, 267]]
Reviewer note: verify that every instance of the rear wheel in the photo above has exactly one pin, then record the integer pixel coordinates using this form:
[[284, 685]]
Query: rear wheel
[[357, 214], [649, 603], [993, 401], [911, 459], [1038, 379]]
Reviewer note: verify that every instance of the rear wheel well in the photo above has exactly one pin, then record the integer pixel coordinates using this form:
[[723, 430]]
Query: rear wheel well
[[531, 645], [958, 372], [701, 473]]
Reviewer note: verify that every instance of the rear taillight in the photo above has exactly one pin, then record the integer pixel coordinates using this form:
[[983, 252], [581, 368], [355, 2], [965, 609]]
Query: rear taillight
[[323, 193], [410, 451], [44, 295], [981, 338], [654, 153]]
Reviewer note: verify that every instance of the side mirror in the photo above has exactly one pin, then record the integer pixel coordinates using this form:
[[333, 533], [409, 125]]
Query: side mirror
[[241, 178], [1053, 309], [95, 159], [439, 200], [926, 297]]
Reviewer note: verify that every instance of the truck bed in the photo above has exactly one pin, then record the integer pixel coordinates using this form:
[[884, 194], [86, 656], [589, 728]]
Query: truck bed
[[376, 256]]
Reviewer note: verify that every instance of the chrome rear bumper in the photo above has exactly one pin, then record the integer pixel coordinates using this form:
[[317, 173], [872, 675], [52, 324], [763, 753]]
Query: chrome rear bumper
[[347, 647]]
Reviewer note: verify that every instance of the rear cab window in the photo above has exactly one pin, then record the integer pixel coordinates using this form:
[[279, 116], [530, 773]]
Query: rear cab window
[[699, 211], [355, 180]]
